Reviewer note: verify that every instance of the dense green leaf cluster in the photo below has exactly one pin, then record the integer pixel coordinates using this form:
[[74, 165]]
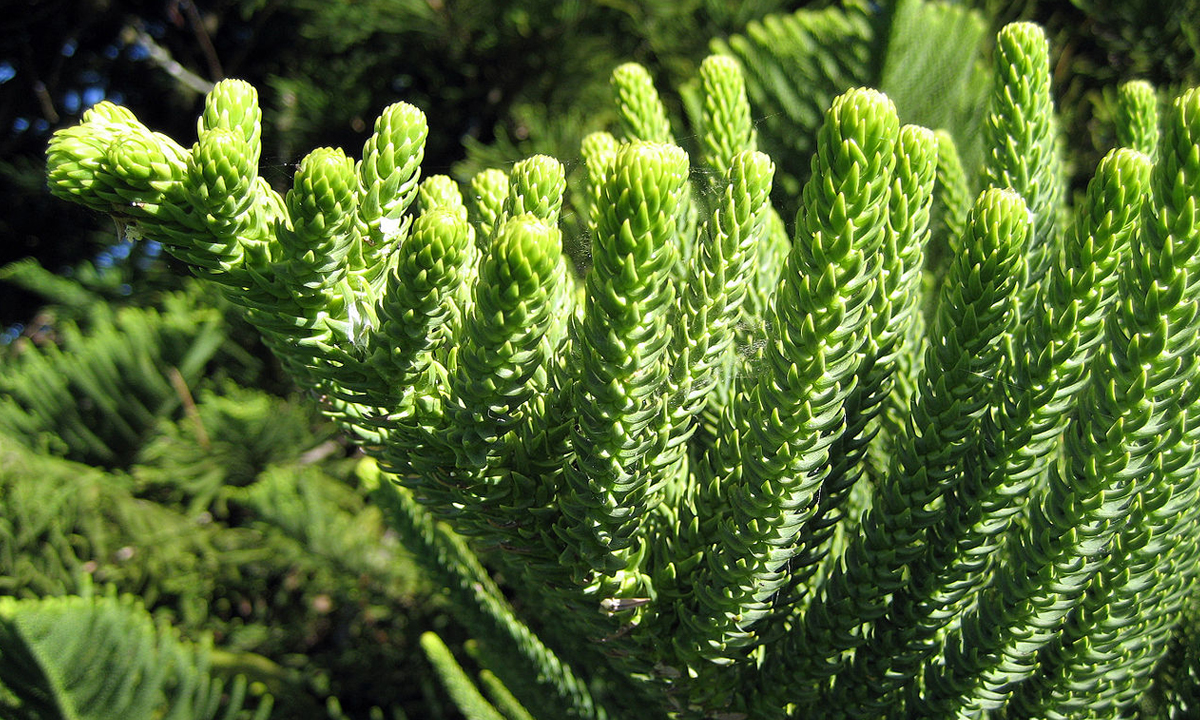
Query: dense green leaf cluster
[[731, 473]]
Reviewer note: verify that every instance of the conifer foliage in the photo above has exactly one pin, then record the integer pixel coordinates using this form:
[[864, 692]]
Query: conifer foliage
[[733, 472], [102, 657]]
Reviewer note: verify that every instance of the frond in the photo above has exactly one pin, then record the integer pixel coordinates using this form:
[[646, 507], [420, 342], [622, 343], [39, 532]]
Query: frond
[[103, 657]]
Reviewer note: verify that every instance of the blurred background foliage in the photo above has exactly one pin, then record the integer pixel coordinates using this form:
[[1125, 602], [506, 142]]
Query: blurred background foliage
[[148, 442], [143, 449]]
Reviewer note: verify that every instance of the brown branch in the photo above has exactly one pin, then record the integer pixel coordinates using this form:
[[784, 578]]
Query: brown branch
[[189, 406], [202, 37]]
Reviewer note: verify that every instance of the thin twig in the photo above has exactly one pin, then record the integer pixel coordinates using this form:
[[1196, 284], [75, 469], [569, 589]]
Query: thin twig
[[162, 58], [189, 406], [210, 53], [320, 452]]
